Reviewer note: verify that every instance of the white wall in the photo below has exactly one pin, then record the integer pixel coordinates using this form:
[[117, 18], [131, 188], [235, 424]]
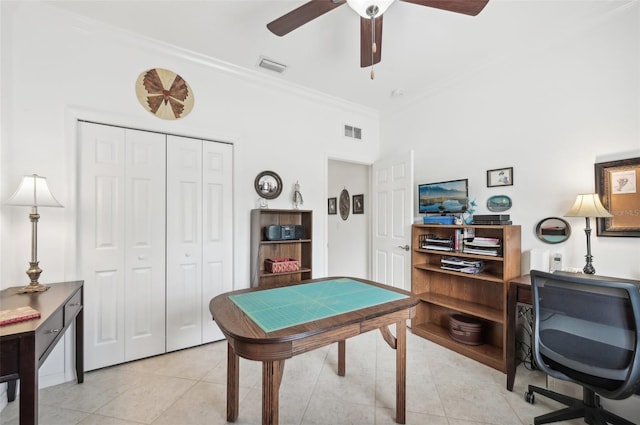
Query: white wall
[[56, 68], [348, 240], [550, 115]]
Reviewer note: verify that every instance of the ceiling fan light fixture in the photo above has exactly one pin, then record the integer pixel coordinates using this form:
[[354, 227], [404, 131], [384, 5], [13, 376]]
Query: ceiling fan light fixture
[[366, 8]]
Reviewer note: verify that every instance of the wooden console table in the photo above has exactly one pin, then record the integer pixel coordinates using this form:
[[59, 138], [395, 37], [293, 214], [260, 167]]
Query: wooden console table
[[24, 346], [519, 292]]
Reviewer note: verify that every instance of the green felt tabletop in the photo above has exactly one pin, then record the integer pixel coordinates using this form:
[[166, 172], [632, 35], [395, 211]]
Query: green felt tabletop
[[279, 308]]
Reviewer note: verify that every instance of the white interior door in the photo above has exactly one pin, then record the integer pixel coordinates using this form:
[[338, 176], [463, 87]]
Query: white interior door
[[392, 201], [144, 244], [102, 152], [184, 242], [122, 201], [217, 244]]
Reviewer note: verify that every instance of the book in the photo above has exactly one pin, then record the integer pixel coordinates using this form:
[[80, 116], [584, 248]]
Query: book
[[19, 314]]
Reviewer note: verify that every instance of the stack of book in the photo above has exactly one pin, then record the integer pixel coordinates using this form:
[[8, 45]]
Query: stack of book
[[483, 246], [460, 265], [436, 242], [489, 219]]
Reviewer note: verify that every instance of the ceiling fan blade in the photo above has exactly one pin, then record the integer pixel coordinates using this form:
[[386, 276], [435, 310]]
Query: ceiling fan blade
[[303, 14], [468, 7], [366, 42]]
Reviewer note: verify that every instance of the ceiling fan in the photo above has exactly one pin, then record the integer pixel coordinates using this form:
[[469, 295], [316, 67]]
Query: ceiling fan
[[370, 12]]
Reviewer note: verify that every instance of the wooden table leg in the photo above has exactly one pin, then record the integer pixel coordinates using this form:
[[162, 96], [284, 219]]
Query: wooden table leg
[[80, 347], [271, 378], [401, 371], [342, 350], [28, 381], [233, 383], [512, 307]]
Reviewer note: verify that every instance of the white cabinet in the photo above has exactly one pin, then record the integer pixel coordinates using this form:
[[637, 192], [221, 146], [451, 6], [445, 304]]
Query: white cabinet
[[151, 204]]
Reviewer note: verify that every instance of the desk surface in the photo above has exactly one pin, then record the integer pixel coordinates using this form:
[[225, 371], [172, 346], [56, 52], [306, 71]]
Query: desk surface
[[280, 308], [239, 326], [57, 294]]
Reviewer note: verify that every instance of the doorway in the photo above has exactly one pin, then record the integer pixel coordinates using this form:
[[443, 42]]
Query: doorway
[[348, 240]]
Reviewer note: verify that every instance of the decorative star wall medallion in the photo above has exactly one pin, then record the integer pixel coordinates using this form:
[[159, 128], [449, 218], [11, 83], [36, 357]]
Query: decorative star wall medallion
[[164, 93]]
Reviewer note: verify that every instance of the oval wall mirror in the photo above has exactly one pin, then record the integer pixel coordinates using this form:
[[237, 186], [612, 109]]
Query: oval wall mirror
[[268, 185], [553, 230]]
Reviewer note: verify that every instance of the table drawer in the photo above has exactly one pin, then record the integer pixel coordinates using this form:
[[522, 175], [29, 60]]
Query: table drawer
[[72, 307], [48, 332]]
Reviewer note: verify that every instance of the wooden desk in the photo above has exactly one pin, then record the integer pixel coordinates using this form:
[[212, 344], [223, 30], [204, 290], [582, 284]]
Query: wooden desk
[[246, 339], [519, 293], [24, 346]]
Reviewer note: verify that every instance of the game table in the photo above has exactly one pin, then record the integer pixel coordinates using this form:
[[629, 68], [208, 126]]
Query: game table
[[272, 325]]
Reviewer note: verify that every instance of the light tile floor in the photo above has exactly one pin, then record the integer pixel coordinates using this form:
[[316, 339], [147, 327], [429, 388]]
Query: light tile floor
[[188, 387]]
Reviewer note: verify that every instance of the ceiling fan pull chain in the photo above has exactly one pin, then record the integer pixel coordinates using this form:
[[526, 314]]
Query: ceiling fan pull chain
[[373, 44]]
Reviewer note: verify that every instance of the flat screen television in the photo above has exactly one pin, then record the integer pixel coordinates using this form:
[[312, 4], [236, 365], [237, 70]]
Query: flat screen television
[[443, 197]]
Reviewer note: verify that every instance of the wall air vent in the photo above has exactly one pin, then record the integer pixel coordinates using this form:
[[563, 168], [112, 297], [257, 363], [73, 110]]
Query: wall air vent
[[271, 65], [352, 132]]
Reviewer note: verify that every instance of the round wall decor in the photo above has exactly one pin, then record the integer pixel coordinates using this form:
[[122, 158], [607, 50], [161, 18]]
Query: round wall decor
[[268, 185], [164, 93], [344, 204], [499, 203], [553, 230]]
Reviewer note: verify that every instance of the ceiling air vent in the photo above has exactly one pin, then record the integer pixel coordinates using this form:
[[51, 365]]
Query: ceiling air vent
[[352, 132], [271, 65]]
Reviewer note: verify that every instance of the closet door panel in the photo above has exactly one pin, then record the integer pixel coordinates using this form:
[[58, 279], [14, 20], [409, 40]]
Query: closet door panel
[[184, 242], [218, 231], [145, 244], [101, 220]]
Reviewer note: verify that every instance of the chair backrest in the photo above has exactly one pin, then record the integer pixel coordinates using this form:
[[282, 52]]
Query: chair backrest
[[587, 330]]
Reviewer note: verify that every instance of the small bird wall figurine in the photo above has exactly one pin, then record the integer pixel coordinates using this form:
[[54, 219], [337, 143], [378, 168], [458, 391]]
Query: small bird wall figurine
[[297, 196]]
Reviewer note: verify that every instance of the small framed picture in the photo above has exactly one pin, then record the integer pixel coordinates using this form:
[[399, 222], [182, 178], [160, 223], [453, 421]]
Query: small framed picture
[[358, 204], [500, 177], [332, 205]]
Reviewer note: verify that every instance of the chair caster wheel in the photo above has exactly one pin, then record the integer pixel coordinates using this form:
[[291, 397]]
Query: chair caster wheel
[[529, 397]]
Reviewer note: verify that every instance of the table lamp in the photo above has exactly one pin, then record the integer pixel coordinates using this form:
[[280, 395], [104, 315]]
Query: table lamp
[[588, 205], [33, 192]]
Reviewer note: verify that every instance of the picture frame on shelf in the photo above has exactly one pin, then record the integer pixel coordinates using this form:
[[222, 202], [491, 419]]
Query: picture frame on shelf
[[500, 177], [332, 206], [618, 186], [358, 204]]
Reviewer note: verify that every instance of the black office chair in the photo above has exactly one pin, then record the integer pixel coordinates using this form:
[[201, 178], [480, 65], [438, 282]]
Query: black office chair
[[586, 331]]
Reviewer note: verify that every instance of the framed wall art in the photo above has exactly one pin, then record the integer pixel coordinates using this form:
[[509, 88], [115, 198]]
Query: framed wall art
[[618, 185], [332, 206], [358, 204], [500, 177]]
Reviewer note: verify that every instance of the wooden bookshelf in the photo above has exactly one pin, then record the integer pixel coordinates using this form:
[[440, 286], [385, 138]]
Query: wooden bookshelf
[[482, 296]]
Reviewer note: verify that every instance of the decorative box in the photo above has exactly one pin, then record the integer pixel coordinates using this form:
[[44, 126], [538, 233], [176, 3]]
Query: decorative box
[[438, 219], [281, 265], [466, 330]]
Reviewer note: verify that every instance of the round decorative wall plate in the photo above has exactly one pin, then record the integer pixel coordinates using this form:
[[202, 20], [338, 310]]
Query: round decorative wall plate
[[499, 203], [164, 93]]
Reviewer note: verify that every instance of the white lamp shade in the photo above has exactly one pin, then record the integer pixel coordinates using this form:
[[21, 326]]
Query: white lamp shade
[[360, 6], [33, 192], [588, 205]]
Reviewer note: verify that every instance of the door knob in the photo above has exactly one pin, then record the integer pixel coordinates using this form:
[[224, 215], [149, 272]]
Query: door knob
[[406, 247]]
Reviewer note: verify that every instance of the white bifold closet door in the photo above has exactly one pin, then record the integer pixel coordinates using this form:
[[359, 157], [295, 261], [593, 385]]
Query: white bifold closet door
[[122, 238], [156, 240], [199, 237]]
